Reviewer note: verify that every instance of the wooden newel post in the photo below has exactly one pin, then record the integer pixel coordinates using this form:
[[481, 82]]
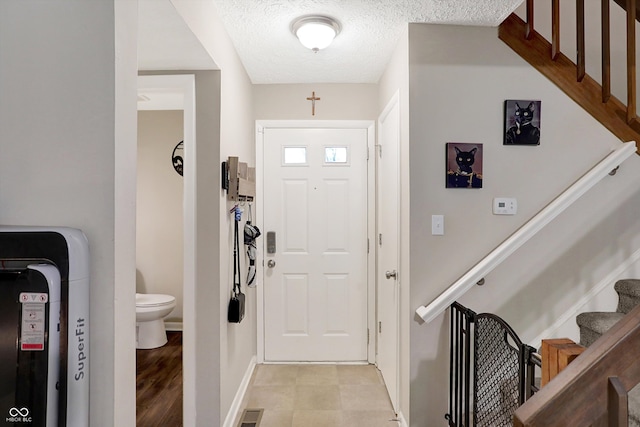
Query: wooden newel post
[[556, 355]]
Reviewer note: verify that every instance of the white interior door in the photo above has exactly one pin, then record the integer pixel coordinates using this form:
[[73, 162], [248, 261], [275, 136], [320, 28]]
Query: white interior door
[[315, 272], [388, 220]]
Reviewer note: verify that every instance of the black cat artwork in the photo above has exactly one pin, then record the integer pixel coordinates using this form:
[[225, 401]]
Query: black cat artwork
[[463, 175], [523, 131]]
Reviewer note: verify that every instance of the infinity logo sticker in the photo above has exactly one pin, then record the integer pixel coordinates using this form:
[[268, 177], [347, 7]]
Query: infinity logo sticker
[[14, 412]]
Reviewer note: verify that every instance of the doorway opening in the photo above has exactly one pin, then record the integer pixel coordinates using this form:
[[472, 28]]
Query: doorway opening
[[177, 92]]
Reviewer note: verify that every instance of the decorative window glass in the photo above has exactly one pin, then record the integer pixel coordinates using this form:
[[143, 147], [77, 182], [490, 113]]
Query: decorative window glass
[[295, 155], [336, 155]]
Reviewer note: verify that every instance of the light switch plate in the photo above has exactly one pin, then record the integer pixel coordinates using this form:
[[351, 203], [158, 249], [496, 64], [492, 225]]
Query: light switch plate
[[505, 206], [437, 225]]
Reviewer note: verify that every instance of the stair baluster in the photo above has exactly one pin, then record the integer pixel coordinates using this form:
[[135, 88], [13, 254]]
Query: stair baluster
[[555, 29], [529, 32], [606, 51], [631, 61], [580, 38]]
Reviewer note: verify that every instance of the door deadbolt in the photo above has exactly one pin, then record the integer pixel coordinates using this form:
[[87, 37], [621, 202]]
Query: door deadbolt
[[271, 263]]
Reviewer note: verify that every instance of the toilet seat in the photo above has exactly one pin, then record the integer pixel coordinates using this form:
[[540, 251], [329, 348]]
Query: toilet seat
[[153, 300]]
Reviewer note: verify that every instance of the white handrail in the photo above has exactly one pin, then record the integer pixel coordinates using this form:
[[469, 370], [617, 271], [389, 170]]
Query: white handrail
[[524, 233]]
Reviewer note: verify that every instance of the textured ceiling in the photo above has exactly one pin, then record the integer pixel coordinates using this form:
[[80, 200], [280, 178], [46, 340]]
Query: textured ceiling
[[260, 31]]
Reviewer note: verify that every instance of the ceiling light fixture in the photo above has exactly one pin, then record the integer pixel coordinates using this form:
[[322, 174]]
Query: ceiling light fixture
[[315, 32]]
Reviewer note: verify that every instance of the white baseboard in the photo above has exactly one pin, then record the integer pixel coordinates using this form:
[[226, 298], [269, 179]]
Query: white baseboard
[[575, 309], [173, 326], [237, 400], [402, 421]]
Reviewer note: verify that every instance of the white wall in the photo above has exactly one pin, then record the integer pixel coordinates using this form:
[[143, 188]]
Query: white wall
[[65, 99], [337, 101], [221, 365], [396, 80], [123, 409], [208, 344], [159, 208], [459, 79]]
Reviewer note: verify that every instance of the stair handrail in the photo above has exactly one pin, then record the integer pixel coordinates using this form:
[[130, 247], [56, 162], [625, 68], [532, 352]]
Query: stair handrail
[[487, 264]]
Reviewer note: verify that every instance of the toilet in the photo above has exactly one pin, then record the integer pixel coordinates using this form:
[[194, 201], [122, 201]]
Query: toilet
[[150, 312]]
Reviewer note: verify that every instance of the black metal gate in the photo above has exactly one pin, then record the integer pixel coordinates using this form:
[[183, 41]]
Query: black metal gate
[[501, 377]]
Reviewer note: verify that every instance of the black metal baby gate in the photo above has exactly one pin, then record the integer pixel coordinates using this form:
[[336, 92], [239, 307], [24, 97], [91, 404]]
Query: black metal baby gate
[[491, 372]]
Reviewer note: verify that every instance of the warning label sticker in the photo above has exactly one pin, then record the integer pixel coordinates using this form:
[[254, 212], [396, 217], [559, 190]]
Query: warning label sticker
[[33, 321]]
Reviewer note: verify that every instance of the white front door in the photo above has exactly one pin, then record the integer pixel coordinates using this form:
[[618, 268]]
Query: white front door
[[388, 220], [315, 246]]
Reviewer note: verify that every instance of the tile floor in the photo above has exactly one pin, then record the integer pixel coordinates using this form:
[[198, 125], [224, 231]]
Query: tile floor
[[319, 396]]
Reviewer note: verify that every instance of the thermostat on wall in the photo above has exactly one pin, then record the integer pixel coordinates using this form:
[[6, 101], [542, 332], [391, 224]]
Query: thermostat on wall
[[505, 206]]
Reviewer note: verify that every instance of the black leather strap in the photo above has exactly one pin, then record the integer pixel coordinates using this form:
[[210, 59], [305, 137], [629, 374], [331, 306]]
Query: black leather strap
[[236, 260]]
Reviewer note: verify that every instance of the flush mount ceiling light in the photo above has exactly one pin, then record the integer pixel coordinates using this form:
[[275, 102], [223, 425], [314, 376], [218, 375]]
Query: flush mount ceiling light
[[315, 32]]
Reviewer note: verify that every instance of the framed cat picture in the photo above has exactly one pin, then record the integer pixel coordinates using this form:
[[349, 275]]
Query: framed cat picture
[[521, 122], [464, 165]]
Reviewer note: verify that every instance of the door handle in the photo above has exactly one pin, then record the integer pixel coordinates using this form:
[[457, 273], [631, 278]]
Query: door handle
[[271, 263], [391, 274]]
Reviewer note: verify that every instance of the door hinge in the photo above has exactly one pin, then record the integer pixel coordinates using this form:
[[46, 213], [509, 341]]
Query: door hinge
[[367, 153], [380, 239], [368, 245], [379, 150], [368, 336], [379, 327]]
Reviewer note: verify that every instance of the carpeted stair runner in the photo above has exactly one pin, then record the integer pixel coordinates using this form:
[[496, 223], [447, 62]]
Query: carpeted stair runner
[[594, 324]]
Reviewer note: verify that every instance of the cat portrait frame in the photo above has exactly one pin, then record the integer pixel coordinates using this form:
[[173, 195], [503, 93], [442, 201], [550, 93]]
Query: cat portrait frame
[[522, 122], [464, 165]]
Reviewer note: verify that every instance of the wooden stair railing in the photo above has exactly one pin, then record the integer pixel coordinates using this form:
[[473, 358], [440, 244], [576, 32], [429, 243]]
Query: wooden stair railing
[[623, 4], [592, 390], [571, 77]]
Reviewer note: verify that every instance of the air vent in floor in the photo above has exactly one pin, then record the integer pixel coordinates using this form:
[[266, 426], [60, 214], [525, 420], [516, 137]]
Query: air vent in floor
[[251, 418]]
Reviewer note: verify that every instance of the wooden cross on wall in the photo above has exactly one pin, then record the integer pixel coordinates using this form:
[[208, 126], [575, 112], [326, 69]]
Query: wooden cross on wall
[[313, 100]]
